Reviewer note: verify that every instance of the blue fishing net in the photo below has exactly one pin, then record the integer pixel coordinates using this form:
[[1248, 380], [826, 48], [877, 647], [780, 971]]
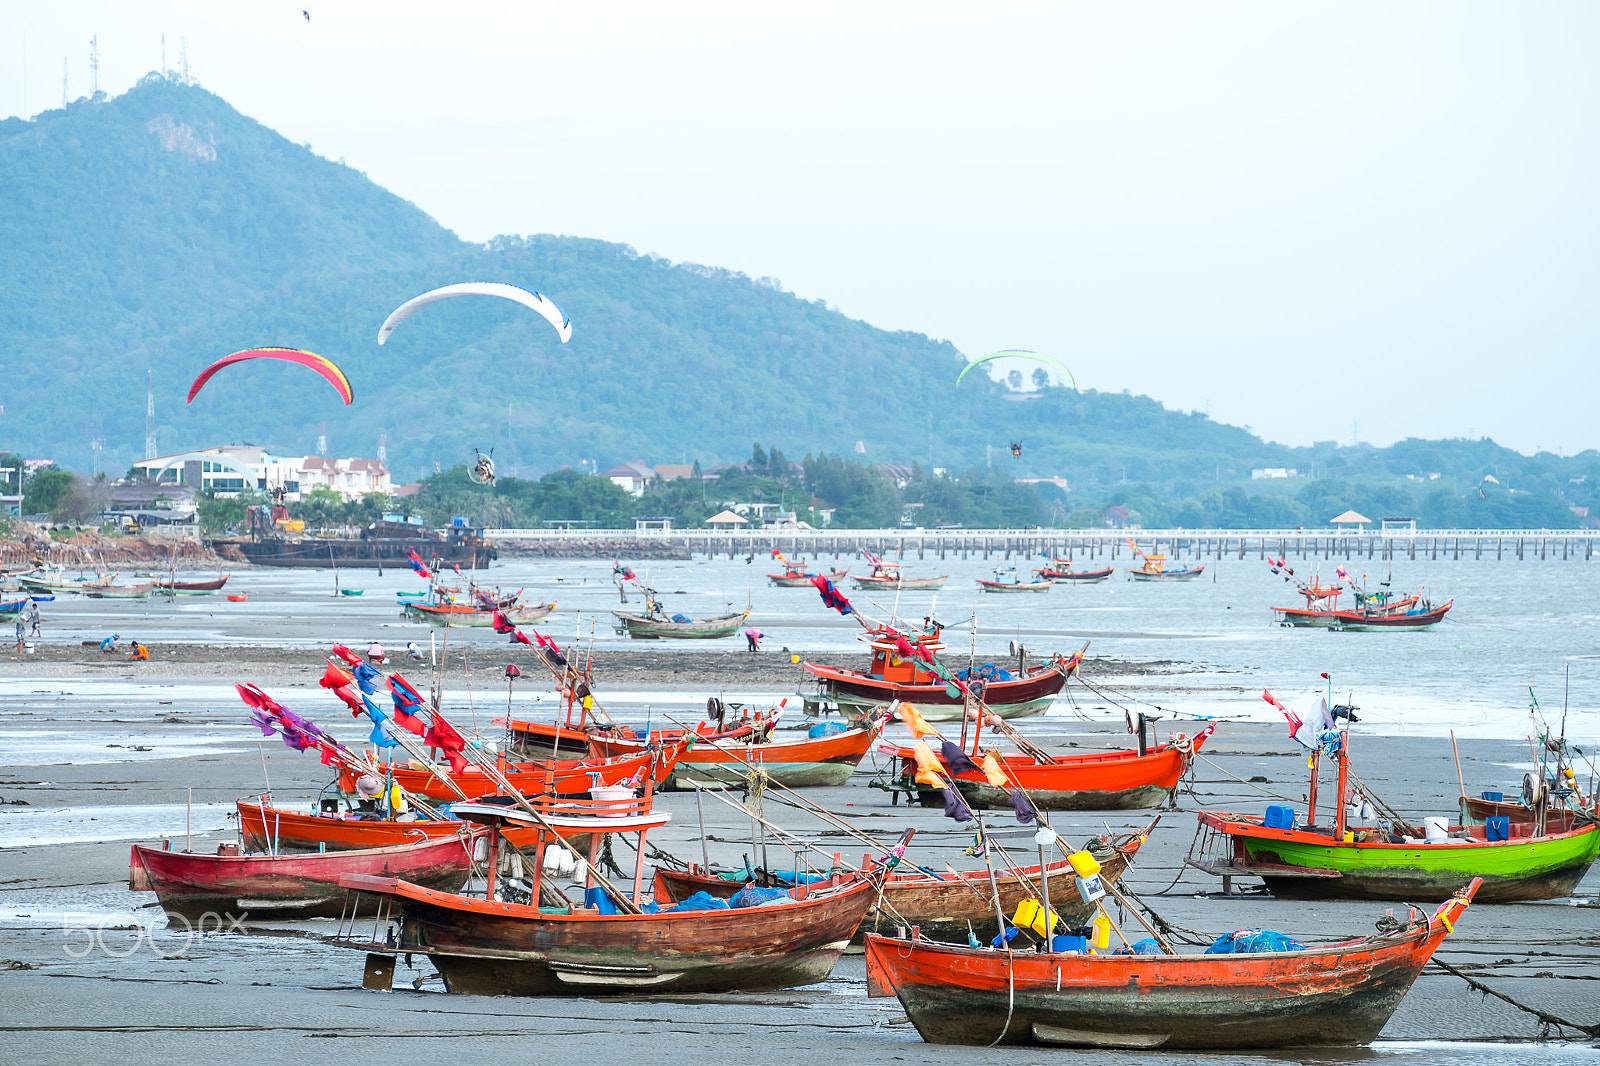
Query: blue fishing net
[[755, 896], [825, 729], [1251, 941], [701, 901]]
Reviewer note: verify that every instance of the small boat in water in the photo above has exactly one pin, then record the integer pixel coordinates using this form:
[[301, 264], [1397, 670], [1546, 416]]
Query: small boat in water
[[1062, 570], [1007, 580], [887, 576], [1341, 994], [192, 588]]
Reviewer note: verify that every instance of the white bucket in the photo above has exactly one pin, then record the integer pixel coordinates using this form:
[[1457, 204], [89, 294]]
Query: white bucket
[[29, 648], [1436, 829], [612, 793]]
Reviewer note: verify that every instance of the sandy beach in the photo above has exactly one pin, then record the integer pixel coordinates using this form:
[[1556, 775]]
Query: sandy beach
[[66, 913]]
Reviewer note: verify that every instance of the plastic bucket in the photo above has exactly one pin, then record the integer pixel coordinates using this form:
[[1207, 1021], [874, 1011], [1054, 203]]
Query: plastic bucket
[[612, 793], [1436, 829]]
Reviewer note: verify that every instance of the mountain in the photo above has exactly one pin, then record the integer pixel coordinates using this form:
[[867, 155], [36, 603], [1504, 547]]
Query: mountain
[[161, 229]]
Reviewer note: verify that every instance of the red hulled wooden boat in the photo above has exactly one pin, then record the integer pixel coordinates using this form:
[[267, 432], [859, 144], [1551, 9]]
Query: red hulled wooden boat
[[548, 777], [250, 887], [276, 830], [1342, 994], [803, 762], [1061, 570], [493, 947], [1029, 691], [794, 576], [1100, 781], [1420, 616], [887, 576], [182, 587]]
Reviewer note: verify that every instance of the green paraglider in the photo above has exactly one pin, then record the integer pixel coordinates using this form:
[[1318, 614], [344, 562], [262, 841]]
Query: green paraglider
[[1018, 353]]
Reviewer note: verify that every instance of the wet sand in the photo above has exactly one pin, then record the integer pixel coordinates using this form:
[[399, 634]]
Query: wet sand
[[275, 993]]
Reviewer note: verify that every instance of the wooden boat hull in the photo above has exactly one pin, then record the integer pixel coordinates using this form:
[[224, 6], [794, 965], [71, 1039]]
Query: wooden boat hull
[[1557, 819], [1300, 616], [943, 908], [1516, 870], [561, 776], [266, 829], [246, 887], [547, 740], [1007, 586], [193, 588], [1365, 621], [1085, 577], [460, 616], [117, 592], [803, 581], [640, 627], [500, 949], [1018, 698], [1103, 781], [1141, 574], [805, 763], [1339, 995], [902, 584]]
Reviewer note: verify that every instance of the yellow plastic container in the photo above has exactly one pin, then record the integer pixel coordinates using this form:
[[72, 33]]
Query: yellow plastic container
[[1030, 915], [1083, 864], [1101, 939]]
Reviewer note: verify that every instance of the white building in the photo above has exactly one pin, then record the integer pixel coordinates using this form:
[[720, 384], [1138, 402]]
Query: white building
[[231, 468]]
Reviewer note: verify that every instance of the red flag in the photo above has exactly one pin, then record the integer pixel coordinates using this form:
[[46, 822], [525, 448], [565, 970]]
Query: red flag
[[443, 735], [400, 684], [458, 761], [330, 757], [334, 678], [409, 721], [347, 655], [351, 700], [517, 637]]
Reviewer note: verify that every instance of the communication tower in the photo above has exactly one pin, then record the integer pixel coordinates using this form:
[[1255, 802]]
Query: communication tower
[[150, 416], [322, 438], [94, 65]]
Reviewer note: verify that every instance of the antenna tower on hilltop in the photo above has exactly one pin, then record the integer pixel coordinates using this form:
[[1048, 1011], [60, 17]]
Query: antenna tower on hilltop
[[63, 81], [150, 416], [322, 438], [383, 449], [183, 58], [94, 65]]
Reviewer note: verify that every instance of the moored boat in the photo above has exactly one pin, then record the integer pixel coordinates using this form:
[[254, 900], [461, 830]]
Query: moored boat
[[192, 588], [803, 762], [1007, 580], [795, 576], [1341, 994], [1420, 615], [191, 886], [1062, 570], [475, 616], [887, 576], [548, 777], [1020, 693], [656, 624], [1155, 568], [498, 945]]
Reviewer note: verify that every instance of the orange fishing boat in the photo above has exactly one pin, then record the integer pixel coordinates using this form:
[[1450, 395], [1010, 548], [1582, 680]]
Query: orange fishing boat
[[549, 777], [1341, 994], [809, 761], [276, 830]]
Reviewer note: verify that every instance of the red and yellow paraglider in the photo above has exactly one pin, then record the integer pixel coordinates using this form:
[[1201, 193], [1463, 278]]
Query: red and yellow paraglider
[[333, 375]]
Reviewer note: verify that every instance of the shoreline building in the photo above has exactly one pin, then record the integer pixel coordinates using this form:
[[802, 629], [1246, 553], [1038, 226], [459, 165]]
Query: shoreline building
[[230, 469]]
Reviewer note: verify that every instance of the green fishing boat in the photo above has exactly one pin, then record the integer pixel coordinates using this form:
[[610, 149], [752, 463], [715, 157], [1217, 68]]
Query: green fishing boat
[[1540, 858]]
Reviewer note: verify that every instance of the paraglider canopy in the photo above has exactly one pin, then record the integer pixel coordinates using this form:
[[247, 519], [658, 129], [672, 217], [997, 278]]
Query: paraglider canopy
[[1018, 353], [325, 367], [527, 297]]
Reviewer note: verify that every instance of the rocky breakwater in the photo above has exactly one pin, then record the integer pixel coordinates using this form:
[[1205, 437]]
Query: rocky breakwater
[[591, 548]]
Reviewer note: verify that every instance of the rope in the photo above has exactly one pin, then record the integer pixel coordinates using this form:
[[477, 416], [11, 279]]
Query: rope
[[1183, 867], [1194, 936], [1252, 784], [1545, 1018]]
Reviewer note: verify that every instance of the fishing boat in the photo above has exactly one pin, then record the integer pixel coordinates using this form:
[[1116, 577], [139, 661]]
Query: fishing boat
[[887, 576], [656, 624], [411, 595], [1393, 859], [795, 576], [387, 541], [476, 616], [109, 591], [352, 592], [549, 777], [810, 761], [1130, 779], [1419, 615], [190, 886], [1007, 580], [277, 830], [192, 588], [944, 906], [1341, 994], [1062, 570], [1154, 568], [521, 940], [1027, 690], [52, 580]]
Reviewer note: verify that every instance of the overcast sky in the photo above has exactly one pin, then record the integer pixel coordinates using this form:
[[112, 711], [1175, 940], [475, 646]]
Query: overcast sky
[[1320, 221]]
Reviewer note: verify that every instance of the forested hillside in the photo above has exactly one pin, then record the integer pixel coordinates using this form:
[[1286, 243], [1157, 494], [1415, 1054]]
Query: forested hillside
[[160, 230]]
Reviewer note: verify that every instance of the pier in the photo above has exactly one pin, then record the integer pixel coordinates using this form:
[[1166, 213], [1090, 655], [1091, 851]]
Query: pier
[[1080, 545]]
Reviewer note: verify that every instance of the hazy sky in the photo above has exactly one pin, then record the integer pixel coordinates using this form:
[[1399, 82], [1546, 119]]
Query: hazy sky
[[1314, 220]]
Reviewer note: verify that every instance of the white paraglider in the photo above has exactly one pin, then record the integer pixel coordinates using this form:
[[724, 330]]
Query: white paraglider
[[526, 297]]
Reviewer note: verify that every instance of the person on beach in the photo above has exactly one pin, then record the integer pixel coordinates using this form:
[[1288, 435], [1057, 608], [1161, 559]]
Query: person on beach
[[33, 617], [109, 645], [753, 638], [139, 654], [375, 653], [22, 630]]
